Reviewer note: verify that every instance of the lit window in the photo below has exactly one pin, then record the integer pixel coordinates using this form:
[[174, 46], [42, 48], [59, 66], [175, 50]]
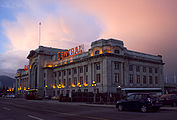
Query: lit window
[[138, 79]]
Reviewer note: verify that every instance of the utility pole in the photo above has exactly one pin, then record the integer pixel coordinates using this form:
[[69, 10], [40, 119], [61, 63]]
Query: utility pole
[[39, 33]]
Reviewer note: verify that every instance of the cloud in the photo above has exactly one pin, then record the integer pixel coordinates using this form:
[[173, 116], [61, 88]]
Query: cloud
[[148, 25], [63, 27]]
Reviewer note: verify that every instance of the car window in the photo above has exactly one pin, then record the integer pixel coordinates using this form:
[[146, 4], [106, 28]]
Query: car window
[[138, 97], [131, 97]]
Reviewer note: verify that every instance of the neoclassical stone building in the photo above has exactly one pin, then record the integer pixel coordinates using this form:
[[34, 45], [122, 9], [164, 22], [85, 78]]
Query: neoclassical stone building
[[107, 67]]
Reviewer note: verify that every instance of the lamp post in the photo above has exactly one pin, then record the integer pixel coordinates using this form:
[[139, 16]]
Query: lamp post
[[94, 90]]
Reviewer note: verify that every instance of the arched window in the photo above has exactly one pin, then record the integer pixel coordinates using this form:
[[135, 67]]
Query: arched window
[[116, 51], [97, 52]]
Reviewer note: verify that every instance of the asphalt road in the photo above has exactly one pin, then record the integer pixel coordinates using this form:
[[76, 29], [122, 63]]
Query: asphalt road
[[20, 109]]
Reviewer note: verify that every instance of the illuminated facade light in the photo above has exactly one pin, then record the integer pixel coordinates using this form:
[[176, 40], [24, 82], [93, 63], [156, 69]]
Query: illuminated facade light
[[85, 84], [50, 65], [59, 86], [73, 85], [53, 86], [24, 88], [62, 86]]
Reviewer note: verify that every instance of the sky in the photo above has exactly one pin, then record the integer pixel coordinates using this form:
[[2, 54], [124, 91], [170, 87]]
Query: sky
[[148, 26]]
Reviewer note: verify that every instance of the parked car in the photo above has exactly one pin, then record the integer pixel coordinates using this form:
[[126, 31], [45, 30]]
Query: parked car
[[10, 96], [140, 101], [169, 99], [55, 98]]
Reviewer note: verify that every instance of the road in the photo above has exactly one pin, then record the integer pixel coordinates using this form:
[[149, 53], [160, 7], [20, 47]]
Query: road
[[20, 109]]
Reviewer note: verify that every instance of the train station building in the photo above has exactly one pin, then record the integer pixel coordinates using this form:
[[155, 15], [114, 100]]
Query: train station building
[[108, 67]]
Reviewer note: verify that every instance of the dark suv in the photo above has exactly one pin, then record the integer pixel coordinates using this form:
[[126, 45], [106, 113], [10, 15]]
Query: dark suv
[[139, 101]]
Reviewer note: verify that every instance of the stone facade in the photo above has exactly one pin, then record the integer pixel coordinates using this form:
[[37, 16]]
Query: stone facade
[[108, 64]]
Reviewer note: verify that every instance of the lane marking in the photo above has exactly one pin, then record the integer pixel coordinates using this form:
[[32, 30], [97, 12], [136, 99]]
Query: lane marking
[[5, 108], [34, 117]]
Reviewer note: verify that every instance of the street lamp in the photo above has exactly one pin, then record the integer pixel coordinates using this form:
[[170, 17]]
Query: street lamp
[[94, 90]]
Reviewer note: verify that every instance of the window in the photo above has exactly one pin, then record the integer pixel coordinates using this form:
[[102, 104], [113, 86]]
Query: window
[[69, 71], [131, 78], [81, 69], [86, 68], [138, 79], [156, 80], [97, 52], [131, 97], [150, 70], [59, 73], [75, 81], [137, 68], [150, 79], [59, 81], [144, 79], [75, 71], [64, 82], [55, 83], [44, 75], [64, 72], [55, 74], [156, 70], [97, 78], [97, 66], [116, 51], [116, 77], [144, 69], [116, 65], [86, 79], [81, 80], [138, 97], [69, 82], [130, 67]]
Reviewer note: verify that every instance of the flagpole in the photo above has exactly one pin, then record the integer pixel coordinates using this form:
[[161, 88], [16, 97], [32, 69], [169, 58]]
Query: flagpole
[[39, 33]]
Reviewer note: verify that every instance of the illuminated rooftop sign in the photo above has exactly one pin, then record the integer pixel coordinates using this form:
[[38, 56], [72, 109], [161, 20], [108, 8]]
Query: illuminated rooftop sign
[[26, 68], [70, 52]]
